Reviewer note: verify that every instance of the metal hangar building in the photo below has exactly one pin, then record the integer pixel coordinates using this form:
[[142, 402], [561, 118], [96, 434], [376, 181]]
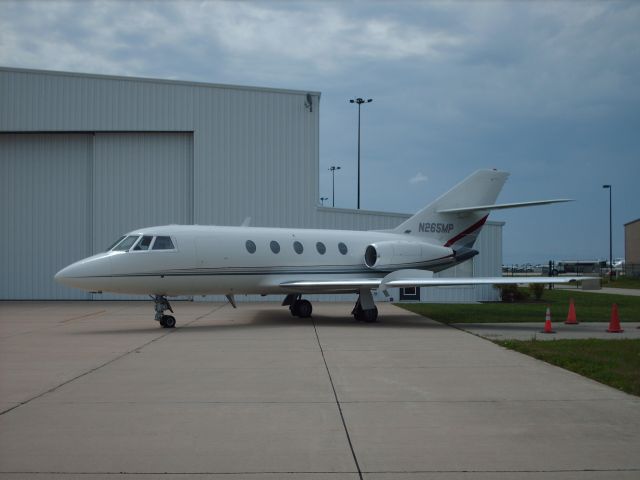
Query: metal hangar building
[[86, 158]]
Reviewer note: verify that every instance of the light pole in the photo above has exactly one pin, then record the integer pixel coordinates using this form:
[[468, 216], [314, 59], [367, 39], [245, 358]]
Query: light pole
[[610, 235], [359, 101], [333, 169], [322, 199]]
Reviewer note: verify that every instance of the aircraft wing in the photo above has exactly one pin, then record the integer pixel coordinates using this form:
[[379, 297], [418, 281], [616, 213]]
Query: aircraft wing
[[412, 278], [330, 286]]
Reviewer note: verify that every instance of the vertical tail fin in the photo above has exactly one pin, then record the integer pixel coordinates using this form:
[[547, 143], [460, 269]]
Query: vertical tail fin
[[457, 230]]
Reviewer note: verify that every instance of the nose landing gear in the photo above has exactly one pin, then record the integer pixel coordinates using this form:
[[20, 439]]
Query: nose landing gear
[[162, 304]]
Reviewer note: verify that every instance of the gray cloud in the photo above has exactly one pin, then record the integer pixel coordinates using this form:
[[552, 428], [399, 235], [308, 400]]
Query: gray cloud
[[547, 90]]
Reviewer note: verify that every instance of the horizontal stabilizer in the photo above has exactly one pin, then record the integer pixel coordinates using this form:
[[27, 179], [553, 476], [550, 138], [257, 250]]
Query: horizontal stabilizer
[[503, 206]]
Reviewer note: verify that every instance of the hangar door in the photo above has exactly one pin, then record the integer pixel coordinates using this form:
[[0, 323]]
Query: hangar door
[[67, 196], [44, 213], [139, 180]]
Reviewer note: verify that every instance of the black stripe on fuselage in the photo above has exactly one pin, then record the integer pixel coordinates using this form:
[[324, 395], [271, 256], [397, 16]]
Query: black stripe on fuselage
[[262, 271]]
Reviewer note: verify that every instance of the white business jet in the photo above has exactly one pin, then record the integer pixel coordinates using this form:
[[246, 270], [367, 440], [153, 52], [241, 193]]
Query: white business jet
[[199, 260]]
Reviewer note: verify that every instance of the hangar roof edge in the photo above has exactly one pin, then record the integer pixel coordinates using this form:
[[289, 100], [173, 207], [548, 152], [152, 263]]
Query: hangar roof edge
[[155, 80]]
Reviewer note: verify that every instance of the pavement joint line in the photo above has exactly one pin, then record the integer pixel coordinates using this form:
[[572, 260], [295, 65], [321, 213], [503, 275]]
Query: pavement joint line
[[561, 470], [80, 317], [349, 402], [304, 472], [335, 394], [61, 322], [109, 362], [542, 470]]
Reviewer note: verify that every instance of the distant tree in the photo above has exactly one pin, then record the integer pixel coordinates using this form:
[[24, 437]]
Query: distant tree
[[511, 293], [537, 289]]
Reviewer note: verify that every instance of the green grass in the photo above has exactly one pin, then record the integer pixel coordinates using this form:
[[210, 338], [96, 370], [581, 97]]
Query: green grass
[[590, 307], [613, 362], [622, 282]]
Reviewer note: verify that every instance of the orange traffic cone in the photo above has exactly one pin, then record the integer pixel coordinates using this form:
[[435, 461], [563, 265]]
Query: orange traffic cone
[[614, 324], [571, 317], [547, 323]]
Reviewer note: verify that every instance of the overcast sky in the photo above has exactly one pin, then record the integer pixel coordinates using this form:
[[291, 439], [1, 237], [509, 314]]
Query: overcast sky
[[549, 91]]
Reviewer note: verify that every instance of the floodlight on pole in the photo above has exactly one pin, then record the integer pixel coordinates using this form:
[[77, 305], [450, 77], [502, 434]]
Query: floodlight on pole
[[610, 234], [333, 169], [359, 101], [322, 199]]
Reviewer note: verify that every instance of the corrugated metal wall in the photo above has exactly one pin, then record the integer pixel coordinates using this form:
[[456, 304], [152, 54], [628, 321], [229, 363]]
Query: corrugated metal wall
[[267, 143], [206, 154], [45, 212], [67, 196], [140, 180]]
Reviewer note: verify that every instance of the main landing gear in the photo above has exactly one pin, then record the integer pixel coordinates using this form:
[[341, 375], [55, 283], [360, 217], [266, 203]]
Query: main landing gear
[[298, 307], [162, 304], [365, 309]]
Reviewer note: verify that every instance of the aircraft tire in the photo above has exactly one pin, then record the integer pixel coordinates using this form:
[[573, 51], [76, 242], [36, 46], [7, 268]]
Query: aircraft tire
[[304, 308], [168, 321], [294, 309], [358, 313], [370, 316]]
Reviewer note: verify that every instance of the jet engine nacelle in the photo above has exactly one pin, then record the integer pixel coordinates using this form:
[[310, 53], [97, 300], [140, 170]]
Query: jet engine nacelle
[[394, 254]]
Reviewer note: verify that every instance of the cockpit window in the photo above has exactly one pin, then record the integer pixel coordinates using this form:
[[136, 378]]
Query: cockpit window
[[126, 244], [144, 243], [115, 243], [163, 243]]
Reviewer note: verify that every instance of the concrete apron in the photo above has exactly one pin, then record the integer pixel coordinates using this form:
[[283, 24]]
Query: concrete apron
[[96, 389]]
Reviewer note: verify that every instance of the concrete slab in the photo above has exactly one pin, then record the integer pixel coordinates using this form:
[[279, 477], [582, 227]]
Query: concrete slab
[[174, 437], [530, 331], [489, 436], [100, 391]]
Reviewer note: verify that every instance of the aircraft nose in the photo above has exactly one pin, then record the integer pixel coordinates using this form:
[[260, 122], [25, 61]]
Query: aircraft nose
[[86, 273], [63, 274], [68, 274]]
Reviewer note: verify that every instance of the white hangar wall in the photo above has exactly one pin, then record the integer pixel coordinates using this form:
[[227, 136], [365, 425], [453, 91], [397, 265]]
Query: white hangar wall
[[85, 158]]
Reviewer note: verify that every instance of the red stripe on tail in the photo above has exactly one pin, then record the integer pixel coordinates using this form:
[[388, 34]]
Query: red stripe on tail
[[469, 230]]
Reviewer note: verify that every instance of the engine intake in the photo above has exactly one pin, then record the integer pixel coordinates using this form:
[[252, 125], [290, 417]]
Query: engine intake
[[403, 254]]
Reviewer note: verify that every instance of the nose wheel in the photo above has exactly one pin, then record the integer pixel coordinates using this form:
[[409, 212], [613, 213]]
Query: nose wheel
[[168, 321], [161, 305]]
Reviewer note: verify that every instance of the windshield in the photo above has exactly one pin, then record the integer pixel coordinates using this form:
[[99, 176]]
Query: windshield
[[115, 243], [125, 244]]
